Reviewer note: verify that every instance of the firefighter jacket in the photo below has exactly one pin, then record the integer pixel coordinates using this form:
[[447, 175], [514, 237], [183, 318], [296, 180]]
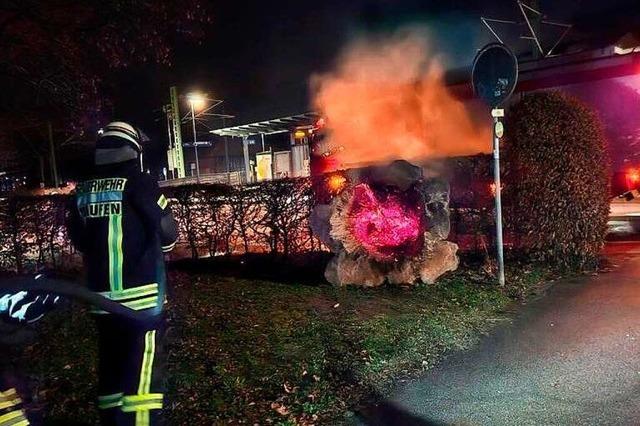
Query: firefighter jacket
[[121, 223]]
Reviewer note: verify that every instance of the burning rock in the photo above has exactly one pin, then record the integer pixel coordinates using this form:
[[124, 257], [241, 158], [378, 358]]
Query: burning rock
[[381, 223], [387, 224]]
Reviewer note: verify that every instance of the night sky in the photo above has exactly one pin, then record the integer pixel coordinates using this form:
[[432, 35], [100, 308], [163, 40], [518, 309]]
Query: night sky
[[258, 56]]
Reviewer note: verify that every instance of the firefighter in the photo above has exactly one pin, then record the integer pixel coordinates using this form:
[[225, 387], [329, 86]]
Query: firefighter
[[16, 310], [122, 224]]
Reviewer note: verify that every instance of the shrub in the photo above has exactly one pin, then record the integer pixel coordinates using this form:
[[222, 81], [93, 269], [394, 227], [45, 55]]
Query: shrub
[[557, 179], [33, 233]]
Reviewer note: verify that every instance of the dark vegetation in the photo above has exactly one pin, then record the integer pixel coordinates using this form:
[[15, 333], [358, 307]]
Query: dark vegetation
[[62, 63], [558, 180], [33, 234]]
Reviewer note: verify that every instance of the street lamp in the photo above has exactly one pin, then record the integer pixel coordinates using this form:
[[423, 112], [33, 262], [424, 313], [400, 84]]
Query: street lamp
[[196, 101]]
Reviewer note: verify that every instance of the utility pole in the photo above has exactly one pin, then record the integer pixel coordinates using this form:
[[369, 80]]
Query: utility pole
[[178, 158], [172, 170], [195, 140], [52, 158]]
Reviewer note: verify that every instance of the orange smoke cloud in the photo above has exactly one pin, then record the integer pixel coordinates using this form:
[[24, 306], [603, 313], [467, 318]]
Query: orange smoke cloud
[[387, 100]]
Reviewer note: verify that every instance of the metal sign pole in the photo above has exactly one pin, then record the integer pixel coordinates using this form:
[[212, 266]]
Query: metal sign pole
[[494, 76], [497, 134]]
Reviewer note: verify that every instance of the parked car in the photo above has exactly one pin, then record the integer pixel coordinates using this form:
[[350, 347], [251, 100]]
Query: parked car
[[624, 215]]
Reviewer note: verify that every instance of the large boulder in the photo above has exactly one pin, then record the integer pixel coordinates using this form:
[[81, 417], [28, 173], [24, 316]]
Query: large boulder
[[439, 259], [399, 201], [436, 199], [403, 273], [345, 269]]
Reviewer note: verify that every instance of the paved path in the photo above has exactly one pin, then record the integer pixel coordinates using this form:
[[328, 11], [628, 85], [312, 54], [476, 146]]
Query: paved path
[[571, 357]]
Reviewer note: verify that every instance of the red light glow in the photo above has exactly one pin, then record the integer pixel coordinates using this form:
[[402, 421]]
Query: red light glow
[[336, 183], [383, 223], [632, 178]]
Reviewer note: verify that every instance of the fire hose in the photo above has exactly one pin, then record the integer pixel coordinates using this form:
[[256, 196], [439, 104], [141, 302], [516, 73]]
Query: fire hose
[[70, 290]]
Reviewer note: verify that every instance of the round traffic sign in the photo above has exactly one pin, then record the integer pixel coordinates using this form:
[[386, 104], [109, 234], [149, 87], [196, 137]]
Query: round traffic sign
[[495, 74]]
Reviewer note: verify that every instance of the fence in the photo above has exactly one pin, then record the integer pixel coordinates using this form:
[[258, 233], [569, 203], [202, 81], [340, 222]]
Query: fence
[[231, 178]]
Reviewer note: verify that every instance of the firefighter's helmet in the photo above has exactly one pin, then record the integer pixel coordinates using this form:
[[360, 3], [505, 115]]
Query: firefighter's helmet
[[118, 142]]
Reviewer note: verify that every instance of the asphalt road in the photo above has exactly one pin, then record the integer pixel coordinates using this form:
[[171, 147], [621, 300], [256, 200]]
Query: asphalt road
[[571, 357]]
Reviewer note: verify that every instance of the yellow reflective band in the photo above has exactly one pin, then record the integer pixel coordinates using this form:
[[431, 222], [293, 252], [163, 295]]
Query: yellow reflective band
[[146, 303], [142, 418], [10, 403], [8, 394], [119, 253], [9, 398], [136, 305], [13, 418], [142, 403], [147, 363], [162, 202], [114, 243], [142, 407], [110, 239], [134, 399], [133, 292], [140, 288], [119, 297]]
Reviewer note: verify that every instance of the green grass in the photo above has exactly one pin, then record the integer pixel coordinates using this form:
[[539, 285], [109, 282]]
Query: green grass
[[265, 352]]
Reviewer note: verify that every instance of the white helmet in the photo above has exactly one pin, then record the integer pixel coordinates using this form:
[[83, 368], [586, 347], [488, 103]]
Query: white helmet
[[118, 142]]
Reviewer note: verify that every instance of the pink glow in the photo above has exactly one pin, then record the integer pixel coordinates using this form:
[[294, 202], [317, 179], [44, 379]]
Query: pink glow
[[383, 224]]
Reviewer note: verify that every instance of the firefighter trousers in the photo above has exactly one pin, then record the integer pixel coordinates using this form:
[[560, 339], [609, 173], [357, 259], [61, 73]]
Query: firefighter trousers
[[130, 370], [11, 411]]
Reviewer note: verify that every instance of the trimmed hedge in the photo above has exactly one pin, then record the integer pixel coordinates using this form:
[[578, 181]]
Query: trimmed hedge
[[270, 217], [33, 233], [557, 179]]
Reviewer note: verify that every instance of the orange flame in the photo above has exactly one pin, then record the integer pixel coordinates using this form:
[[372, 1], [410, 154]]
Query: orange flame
[[387, 100]]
